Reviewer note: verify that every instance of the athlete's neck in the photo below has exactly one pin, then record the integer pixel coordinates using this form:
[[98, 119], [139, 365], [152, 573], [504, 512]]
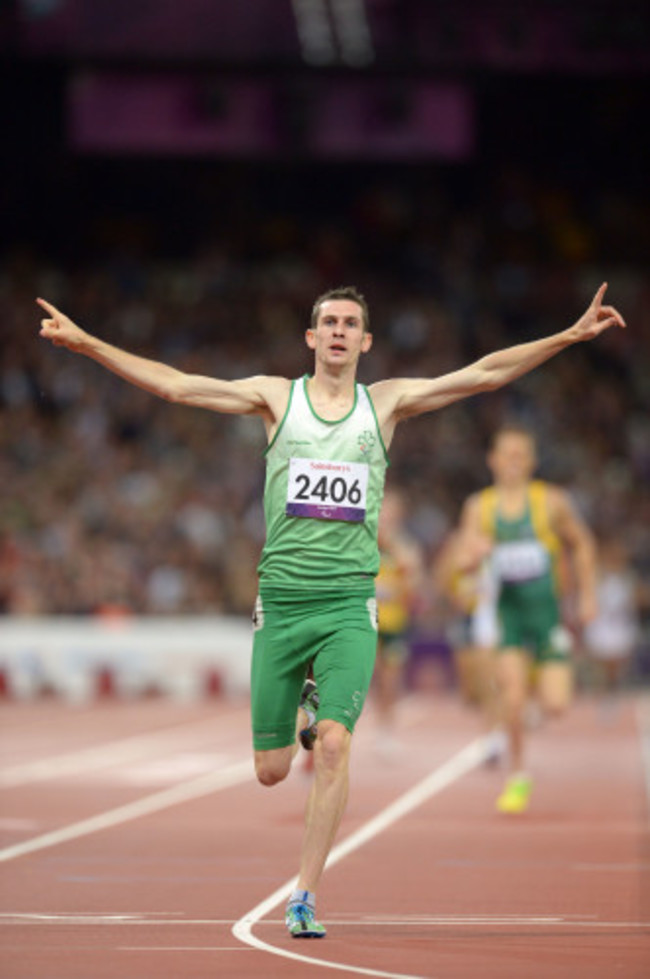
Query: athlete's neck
[[331, 393], [513, 498]]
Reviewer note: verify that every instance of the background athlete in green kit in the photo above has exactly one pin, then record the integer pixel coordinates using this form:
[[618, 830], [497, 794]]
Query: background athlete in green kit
[[338, 335], [532, 525]]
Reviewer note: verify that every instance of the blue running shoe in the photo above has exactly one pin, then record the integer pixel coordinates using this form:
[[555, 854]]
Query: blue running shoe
[[301, 923], [309, 701]]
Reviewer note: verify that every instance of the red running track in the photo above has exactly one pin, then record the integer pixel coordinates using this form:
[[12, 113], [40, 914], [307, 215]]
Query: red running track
[[134, 838]]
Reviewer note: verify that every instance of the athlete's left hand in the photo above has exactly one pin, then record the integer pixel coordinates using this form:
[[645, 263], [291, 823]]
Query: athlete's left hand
[[597, 318]]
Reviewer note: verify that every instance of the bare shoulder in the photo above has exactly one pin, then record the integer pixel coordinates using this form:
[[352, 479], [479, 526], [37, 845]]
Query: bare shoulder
[[385, 399], [273, 385], [470, 509], [561, 509], [274, 392], [384, 395], [557, 497]]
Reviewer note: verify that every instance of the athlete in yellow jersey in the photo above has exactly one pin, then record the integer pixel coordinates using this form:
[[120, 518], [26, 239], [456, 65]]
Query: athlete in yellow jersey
[[462, 575], [397, 586], [532, 525]]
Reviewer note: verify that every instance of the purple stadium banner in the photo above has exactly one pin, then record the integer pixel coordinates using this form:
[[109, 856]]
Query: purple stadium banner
[[360, 118]]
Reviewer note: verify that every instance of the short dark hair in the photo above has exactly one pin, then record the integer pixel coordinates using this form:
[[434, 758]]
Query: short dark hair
[[342, 292]]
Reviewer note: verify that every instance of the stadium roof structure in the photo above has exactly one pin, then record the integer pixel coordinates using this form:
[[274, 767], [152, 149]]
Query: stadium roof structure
[[583, 36]]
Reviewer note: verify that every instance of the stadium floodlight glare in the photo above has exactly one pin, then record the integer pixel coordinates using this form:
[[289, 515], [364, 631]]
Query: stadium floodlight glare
[[314, 31], [353, 31], [334, 30]]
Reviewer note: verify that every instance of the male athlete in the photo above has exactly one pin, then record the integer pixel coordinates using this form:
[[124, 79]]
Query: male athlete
[[326, 459], [532, 525]]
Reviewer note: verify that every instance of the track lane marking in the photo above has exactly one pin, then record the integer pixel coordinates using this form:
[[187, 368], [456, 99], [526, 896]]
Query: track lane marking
[[20, 919], [458, 765], [134, 748], [183, 948], [225, 778]]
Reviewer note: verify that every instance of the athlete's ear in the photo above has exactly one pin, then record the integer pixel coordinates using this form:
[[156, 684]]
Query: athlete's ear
[[310, 338], [366, 342]]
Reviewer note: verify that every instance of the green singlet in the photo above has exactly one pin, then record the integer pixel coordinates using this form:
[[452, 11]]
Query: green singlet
[[316, 607], [524, 563]]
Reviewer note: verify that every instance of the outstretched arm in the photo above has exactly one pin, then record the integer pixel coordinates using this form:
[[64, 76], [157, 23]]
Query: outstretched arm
[[249, 396], [403, 397]]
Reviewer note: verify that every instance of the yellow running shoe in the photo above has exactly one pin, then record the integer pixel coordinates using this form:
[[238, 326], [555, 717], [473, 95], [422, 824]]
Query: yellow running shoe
[[516, 794]]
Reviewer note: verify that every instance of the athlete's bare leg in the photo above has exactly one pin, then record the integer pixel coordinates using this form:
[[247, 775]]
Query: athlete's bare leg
[[512, 675], [486, 685], [328, 795], [555, 687], [327, 800], [388, 674]]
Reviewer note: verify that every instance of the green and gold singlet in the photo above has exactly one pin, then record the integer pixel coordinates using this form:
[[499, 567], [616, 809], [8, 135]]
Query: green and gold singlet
[[525, 563]]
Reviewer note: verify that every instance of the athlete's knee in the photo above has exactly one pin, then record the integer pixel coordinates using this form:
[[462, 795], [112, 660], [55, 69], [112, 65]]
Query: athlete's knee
[[513, 696], [332, 746], [272, 767], [555, 711], [555, 690], [555, 707]]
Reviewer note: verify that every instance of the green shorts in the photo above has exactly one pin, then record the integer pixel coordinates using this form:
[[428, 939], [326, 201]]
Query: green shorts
[[334, 634], [532, 623]]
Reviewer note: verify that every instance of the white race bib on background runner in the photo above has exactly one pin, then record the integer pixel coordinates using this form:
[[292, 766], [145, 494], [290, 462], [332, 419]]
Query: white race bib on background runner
[[522, 560], [327, 490]]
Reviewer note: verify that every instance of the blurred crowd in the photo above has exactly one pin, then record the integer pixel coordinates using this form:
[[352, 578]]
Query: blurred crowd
[[113, 500]]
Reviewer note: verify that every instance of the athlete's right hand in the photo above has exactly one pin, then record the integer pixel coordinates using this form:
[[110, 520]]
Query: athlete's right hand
[[60, 329]]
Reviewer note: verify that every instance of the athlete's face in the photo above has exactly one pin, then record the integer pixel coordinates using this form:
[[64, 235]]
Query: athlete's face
[[513, 459], [339, 337]]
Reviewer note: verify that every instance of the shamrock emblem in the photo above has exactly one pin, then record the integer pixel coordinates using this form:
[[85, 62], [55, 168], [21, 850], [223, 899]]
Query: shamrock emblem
[[366, 441]]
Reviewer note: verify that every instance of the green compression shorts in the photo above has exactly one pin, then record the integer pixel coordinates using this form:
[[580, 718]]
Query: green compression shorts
[[531, 622], [335, 634]]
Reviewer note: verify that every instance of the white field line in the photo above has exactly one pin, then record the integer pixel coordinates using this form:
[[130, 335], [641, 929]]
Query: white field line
[[196, 788], [448, 773], [119, 752]]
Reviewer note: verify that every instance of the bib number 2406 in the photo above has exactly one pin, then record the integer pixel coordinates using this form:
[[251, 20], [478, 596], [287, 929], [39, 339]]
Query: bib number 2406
[[327, 490]]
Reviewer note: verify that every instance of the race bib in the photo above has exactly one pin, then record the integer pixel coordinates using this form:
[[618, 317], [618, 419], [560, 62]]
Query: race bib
[[327, 490], [522, 560]]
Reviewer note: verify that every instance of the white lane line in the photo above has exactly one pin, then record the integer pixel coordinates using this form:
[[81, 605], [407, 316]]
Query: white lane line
[[183, 948], [131, 749], [457, 766], [635, 868], [205, 785], [161, 920]]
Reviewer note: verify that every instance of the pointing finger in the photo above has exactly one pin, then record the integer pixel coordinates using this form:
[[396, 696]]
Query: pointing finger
[[598, 298], [48, 307]]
